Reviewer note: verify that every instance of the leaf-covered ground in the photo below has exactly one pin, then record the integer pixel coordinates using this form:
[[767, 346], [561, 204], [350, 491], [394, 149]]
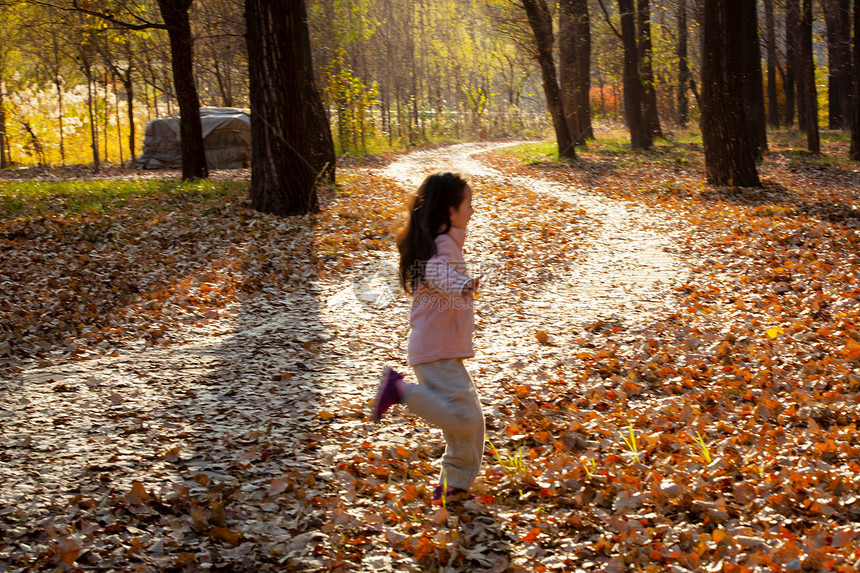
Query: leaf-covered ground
[[186, 382]]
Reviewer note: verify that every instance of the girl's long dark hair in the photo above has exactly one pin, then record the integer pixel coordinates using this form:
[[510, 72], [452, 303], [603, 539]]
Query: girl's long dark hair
[[429, 217]]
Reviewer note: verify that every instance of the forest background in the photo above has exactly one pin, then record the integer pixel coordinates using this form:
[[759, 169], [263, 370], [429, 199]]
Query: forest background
[[75, 89]]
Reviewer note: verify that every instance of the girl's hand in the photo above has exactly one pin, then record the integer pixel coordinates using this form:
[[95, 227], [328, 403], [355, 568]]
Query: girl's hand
[[472, 287]]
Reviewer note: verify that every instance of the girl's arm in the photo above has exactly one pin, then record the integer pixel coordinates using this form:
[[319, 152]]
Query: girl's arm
[[447, 277]]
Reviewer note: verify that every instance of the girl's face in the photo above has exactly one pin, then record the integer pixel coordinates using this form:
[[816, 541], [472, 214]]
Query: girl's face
[[461, 215]]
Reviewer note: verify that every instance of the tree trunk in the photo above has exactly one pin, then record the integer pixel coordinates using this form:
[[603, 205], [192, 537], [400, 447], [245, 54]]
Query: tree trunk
[[128, 86], [646, 57], [575, 68], [772, 104], [540, 22], [792, 21], [175, 15], [94, 135], [837, 15], [811, 97], [729, 152], [283, 170], [640, 136], [118, 120], [106, 118], [855, 96], [60, 111], [59, 83], [753, 89], [323, 158], [683, 65], [3, 141]]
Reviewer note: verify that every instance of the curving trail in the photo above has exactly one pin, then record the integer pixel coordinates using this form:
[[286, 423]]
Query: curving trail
[[625, 272]]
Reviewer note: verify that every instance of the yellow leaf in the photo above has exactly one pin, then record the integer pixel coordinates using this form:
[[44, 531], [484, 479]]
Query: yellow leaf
[[775, 331], [542, 336], [325, 415]]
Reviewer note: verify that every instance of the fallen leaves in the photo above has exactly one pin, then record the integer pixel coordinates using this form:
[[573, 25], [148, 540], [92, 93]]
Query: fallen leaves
[[719, 435]]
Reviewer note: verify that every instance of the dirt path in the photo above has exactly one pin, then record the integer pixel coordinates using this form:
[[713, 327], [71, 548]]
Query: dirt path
[[219, 407], [623, 274]]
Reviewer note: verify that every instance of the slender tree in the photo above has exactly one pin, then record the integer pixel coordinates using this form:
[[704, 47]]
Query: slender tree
[[792, 22], [684, 75], [729, 151], [284, 168], [855, 102], [178, 23], [753, 90], [540, 21], [810, 95], [640, 135], [646, 58], [772, 102], [575, 67], [86, 57], [3, 144], [7, 40], [837, 16]]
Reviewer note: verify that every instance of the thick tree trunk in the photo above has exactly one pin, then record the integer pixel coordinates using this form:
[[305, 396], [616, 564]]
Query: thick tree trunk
[[753, 88], [284, 167], [640, 135], [175, 15], [772, 104], [837, 15], [811, 97], [855, 96], [683, 65], [646, 56], [540, 22], [575, 68], [792, 22], [729, 152]]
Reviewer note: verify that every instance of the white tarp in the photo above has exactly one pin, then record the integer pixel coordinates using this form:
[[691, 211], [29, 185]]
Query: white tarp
[[226, 137]]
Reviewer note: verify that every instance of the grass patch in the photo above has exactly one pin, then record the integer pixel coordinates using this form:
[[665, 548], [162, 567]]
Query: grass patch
[[71, 198], [533, 153], [614, 152]]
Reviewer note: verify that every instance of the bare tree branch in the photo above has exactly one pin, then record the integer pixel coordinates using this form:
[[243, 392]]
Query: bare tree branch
[[142, 25], [608, 20]]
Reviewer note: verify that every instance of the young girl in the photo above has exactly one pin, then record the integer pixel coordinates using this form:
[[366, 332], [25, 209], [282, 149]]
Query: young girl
[[442, 321]]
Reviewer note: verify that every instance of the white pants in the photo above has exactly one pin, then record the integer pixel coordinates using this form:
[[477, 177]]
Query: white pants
[[446, 397]]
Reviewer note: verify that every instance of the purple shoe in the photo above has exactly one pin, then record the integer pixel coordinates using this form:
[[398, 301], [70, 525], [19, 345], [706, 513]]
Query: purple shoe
[[453, 495], [387, 395]]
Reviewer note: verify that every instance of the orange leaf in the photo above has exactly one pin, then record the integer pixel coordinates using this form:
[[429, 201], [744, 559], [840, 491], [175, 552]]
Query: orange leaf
[[224, 534], [851, 350], [68, 551], [531, 535], [137, 495]]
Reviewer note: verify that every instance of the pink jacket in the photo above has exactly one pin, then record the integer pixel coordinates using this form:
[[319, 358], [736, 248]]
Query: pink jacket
[[443, 318]]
